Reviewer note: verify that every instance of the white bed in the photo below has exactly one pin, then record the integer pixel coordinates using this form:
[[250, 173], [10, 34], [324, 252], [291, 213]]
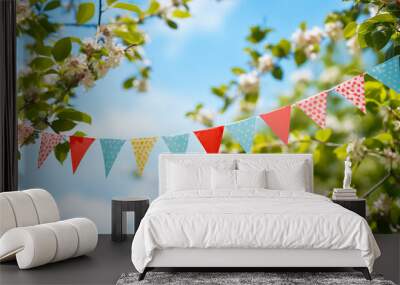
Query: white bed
[[248, 227]]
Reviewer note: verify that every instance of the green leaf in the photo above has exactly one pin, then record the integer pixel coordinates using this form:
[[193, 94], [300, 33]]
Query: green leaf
[[257, 34], [130, 37], [282, 49], [323, 135], [378, 39], [74, 115], [180, 14], [110, 2], [42, 63], [300, 57], [385, 138], [61, 151], [220, 91], [171, 24], [62, 49], [237, 70], [383, 18], [52, 5], [129, 7], [350, 30], [62, 125], [128, 83], [153, 8], [79, 134], [85, 12], [341, 152], [277, 72]]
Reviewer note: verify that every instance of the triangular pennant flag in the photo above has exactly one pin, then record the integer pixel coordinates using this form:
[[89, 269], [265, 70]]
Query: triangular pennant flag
[[243, 132], [24, 131], [48, 141], [315, 108], [142, 148], [78, 146], [353, 90], [110, 149], [211, 138], [279, 122], [388, 73], [177, 144]]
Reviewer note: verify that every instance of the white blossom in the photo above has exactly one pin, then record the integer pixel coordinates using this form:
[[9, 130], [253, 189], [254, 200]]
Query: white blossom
[[330, 74], [23, 11], [302, 75], [334, 29], [353, 46], [373, 10], [265, 63], [382, 204], [308, 40], [249, 82]]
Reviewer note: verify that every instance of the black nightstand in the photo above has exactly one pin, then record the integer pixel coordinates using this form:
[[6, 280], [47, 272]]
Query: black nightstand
[[358, 206], [118, 214]]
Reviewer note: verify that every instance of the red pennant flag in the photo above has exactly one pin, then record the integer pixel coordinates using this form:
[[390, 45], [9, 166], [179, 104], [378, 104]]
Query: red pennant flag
[[279, 122], [79, 146], [47, 143], [315, 108], [353, 90], [210, 138], [24, 132]]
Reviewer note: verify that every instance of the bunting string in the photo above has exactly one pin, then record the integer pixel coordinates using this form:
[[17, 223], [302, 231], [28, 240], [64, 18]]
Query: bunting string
[[242, 131]]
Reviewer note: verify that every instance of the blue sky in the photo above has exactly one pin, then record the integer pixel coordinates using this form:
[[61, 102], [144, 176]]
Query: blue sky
[[186, 63]]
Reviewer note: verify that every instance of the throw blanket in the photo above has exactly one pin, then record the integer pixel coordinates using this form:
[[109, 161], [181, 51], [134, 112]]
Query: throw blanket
[[250, 219]]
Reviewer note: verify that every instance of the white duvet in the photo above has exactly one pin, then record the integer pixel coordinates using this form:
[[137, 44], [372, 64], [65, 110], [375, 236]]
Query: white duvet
[[250, 219]]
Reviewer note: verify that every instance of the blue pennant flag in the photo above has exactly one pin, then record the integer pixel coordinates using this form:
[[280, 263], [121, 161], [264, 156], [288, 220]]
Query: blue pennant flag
[[110, 148], [177, 144], [388, 73], [243, 132]]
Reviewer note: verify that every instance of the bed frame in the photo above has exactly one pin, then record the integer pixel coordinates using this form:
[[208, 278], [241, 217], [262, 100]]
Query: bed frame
[[237, 259]]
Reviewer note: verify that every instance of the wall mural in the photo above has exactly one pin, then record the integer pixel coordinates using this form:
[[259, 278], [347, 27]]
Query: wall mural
[[87, 65]]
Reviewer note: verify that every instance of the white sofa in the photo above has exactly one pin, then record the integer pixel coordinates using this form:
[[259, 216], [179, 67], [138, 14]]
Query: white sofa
[[31, 231]]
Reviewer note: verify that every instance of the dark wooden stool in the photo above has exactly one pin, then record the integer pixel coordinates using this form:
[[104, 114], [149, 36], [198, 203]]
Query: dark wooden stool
[[120, 206]]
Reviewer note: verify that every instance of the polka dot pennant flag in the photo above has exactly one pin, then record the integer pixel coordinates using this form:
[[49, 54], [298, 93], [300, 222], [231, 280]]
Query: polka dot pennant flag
[[142, 148], [353, 90], [110, 149], [177, 144], [243, 132], [48, 142], [24, 132], [315, 108], [388, 73], [279, 122], [79, 147], [210, 138]]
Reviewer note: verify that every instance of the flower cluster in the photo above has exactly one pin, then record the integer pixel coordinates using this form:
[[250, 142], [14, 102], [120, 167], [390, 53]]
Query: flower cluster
[[265, 63], [249, 82], [23, 11], [308, 40], [334, 30]]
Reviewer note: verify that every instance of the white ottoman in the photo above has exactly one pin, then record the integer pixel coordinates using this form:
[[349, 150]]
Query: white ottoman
[[33, 243]]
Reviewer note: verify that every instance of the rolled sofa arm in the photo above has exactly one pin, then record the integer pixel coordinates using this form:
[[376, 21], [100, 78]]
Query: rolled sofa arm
[[40, 244]]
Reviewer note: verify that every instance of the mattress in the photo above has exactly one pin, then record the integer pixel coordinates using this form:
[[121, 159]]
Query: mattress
[[250, 219]]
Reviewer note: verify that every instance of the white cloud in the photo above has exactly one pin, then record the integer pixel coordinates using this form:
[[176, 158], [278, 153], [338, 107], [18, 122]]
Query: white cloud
[[207, 16]]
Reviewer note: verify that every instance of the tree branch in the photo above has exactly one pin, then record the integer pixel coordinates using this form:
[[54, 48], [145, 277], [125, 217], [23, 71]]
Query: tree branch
[[378, 184]]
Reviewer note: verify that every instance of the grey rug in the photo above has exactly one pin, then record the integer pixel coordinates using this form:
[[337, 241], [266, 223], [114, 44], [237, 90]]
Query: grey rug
[[230, 278]]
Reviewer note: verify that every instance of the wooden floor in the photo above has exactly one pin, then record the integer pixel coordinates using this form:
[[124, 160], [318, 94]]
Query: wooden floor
[[103, 266]]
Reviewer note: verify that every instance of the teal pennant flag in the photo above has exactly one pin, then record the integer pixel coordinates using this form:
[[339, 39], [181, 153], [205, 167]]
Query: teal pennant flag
[[177, 144], [243, 132], [110, 148], [388, 73]]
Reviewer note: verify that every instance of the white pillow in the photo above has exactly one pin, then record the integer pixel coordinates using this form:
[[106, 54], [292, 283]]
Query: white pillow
[[223, 179], [191, 177], [282, 174], [251, 178]]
